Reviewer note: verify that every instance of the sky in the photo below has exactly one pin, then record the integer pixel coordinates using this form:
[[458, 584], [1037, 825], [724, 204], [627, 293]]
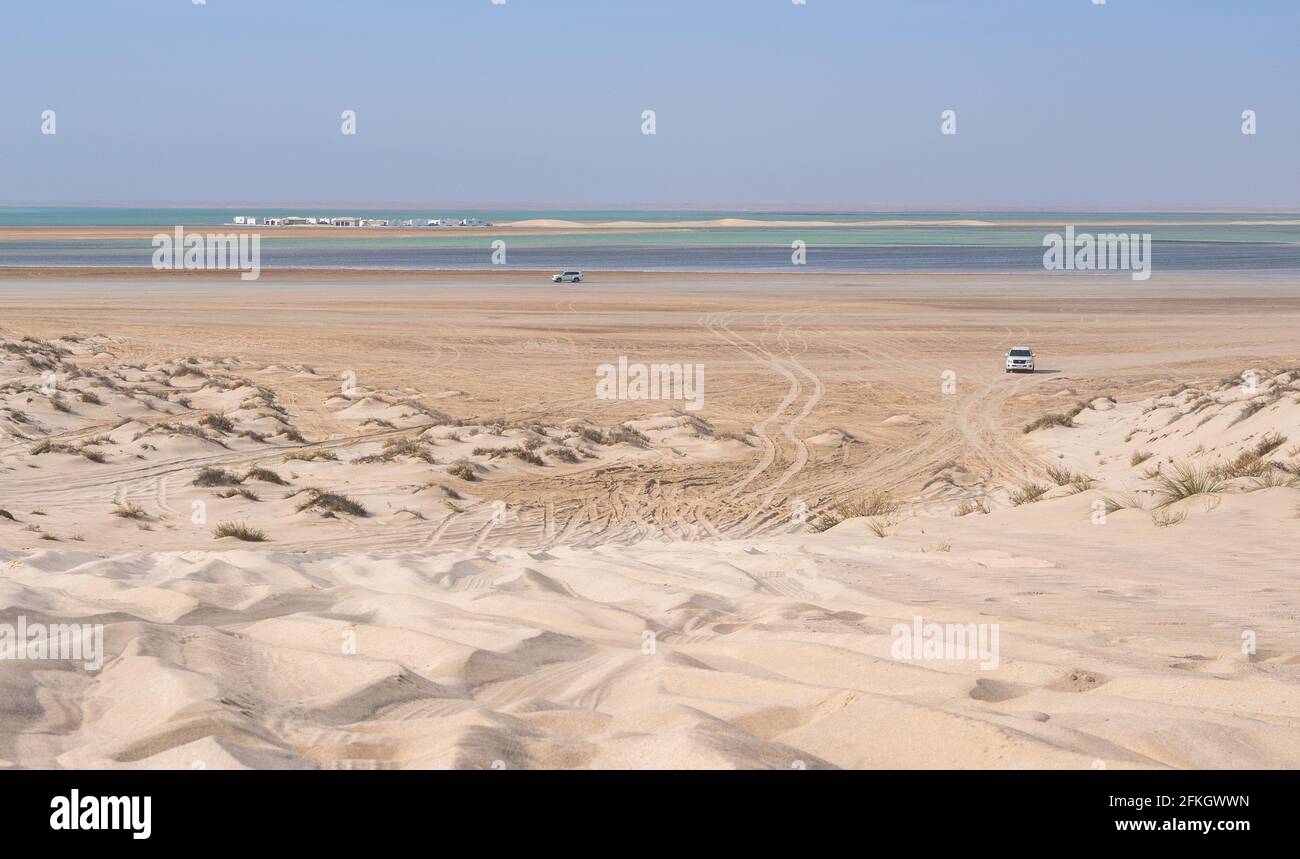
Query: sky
[[829, 105]]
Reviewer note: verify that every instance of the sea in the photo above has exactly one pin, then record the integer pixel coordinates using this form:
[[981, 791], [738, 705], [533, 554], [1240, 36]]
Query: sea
[[853, 242]]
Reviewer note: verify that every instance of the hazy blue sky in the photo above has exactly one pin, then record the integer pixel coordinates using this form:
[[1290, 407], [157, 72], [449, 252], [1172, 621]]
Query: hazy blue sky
[[760, 103]]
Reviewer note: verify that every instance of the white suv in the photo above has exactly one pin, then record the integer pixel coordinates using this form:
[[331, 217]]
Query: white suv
[[1020, 358], [567, 277]]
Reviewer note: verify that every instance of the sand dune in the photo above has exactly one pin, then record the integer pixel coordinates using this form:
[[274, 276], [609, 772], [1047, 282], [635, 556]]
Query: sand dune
[[719, 654], [467, 568]]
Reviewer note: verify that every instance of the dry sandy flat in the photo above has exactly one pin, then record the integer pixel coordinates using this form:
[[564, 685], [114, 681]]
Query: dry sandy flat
[[534, 577]]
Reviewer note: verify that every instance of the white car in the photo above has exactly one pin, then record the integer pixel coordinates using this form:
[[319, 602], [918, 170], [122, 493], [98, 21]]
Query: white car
[[1020, 359], [567, 277]]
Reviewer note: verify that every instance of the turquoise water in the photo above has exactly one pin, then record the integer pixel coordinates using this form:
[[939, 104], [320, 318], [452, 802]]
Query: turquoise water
[[1011, 242]]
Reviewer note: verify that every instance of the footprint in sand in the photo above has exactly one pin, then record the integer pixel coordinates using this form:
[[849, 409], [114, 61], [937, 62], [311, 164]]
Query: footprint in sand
[[994, 691]]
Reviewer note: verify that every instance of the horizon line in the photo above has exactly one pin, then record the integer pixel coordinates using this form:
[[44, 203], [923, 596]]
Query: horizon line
[[681, 207]]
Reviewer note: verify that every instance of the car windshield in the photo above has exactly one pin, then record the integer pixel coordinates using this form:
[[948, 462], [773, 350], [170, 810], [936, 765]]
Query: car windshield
[[1021, 353]]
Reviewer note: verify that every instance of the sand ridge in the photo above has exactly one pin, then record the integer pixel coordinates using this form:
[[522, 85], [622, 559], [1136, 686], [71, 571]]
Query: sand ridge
[[666, 588]]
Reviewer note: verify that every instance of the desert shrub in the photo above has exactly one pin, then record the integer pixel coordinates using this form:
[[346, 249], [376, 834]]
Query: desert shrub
[[877, 503], [185, 429], [265, 475], [1062, 476], [1271, 479], [627, 435], [1127, 501], [563, 454], [1247, 464], [129, 510], [1027, 493], [239, 531], [1248, 410], [881, 526], [463, 470], [209, 476], [395, 447], [1165, 518], [48, 446], [220, 423], [1184, 481], [311, 456], [1269, 443], [1050, 420], [331, 502]]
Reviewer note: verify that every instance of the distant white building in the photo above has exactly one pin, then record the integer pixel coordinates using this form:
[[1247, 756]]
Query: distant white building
[[344, 222], [296, 221], [248, 220], [273, 222], [373, 222]]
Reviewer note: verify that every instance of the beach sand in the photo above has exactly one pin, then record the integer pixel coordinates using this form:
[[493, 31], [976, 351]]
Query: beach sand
[[535, 577]]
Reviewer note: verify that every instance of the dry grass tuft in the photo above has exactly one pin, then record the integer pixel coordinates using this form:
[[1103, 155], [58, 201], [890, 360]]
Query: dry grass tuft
[[239, 531], [311, 456], [1269, 443], [265, 475], [1052, 420], [563, 454], [873, 504], [1028, 493], [1166, 518], [129, 510], [1127, 501], [1184, 481], [220, 423], [331, 502], [464, 471], [210, 476]]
